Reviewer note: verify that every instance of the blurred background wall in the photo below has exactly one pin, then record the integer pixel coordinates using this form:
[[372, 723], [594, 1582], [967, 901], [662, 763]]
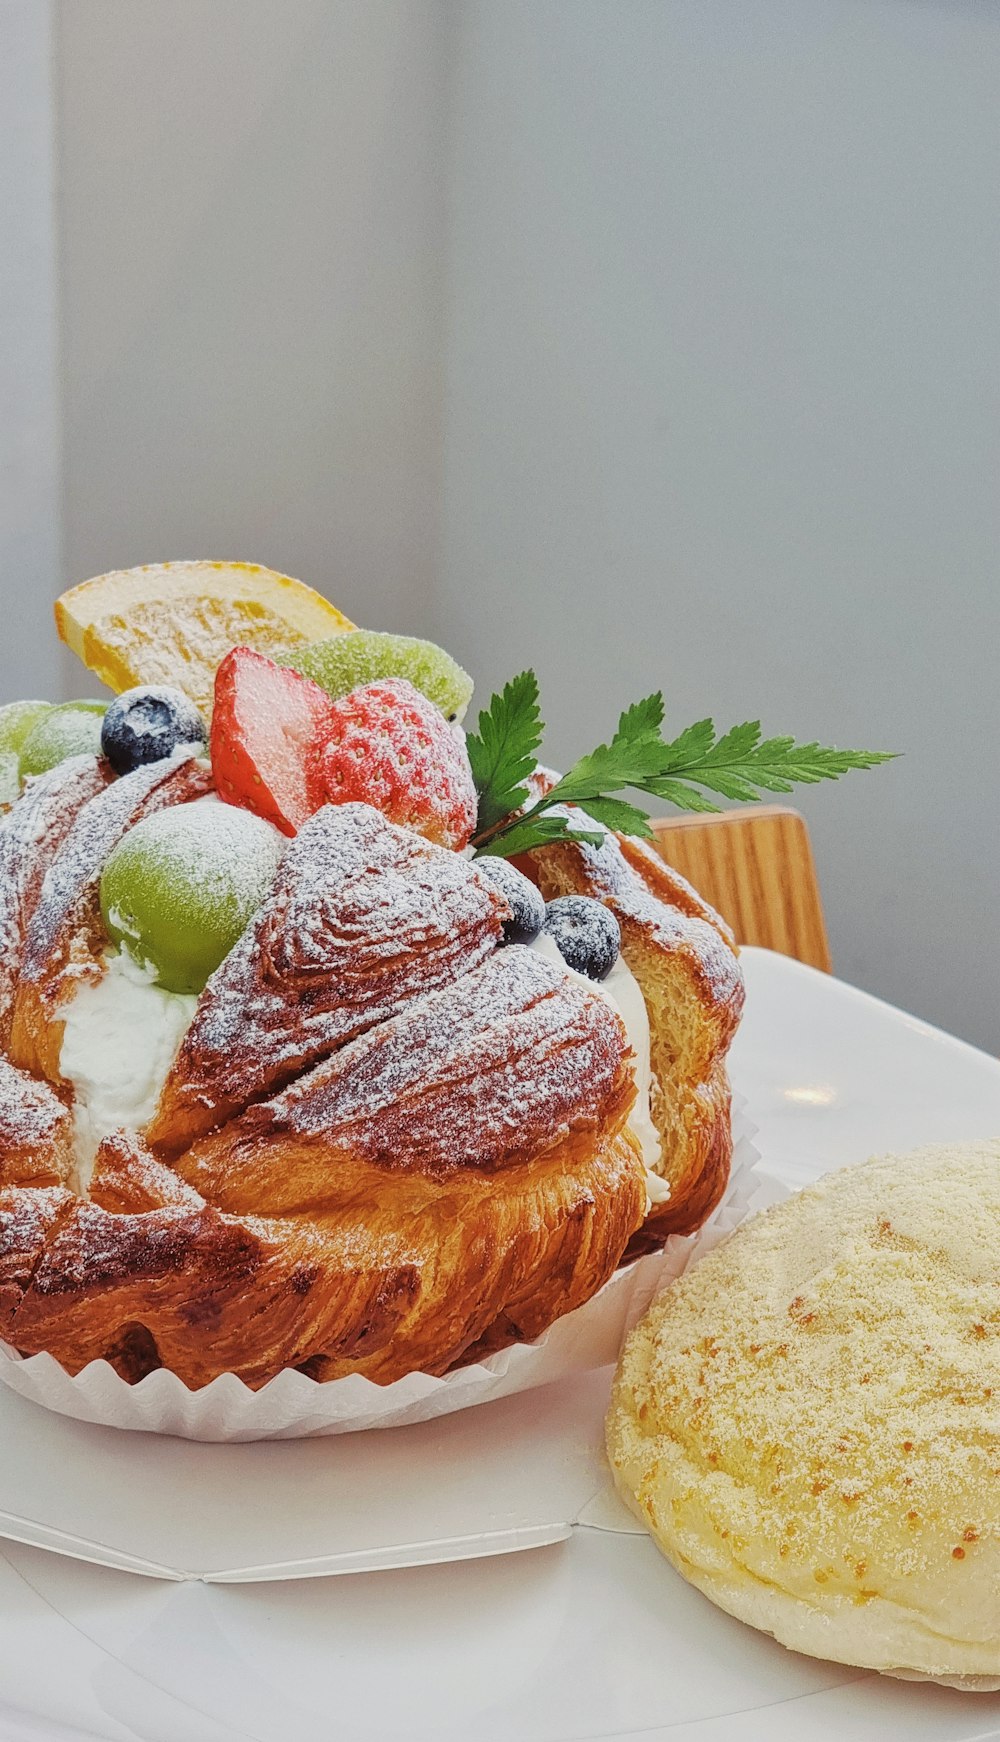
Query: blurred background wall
[[251, 216], [654, 343], [722, 414], [30, 448]]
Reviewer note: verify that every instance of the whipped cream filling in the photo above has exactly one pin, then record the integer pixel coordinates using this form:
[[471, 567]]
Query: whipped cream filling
[[622, 991], [121, 1037]]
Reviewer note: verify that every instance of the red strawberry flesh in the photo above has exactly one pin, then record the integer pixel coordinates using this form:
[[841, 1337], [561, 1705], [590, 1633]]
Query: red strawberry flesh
[[265, 722]]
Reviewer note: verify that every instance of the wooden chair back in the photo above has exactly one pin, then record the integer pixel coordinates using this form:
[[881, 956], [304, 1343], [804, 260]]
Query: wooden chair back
[[756, 868]]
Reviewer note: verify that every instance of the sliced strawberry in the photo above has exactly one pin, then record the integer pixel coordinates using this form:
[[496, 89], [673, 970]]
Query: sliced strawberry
[[265, 722]]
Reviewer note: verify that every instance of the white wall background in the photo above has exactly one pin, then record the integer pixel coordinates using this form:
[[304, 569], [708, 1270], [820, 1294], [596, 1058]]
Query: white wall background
[[251, 211], [722, 414], [30, 555], [653, 342]]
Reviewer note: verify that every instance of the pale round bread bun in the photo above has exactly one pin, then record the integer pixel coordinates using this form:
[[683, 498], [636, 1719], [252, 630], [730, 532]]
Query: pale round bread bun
[[808, 1421]]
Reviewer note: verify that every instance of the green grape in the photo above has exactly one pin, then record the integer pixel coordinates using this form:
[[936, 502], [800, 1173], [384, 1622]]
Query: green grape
[[182, 885], [72, 729], [16, 721], [10, 779], [364, 655]]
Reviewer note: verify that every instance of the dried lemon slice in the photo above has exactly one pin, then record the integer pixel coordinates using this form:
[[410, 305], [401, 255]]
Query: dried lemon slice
[[173, 622]]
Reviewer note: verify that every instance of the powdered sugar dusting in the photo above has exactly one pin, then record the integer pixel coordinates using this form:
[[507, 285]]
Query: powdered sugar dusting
[[453, 1055], [493, 1069], [29, 1217], [127, 1177], [387, 744], [362, 918], [31, 835], [93, 1249], [67, 903], [228, 855], [34, 1127]]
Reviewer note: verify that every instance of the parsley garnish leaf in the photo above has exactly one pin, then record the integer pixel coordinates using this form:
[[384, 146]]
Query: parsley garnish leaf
[[529, 831], [739, 766], [503, 755]]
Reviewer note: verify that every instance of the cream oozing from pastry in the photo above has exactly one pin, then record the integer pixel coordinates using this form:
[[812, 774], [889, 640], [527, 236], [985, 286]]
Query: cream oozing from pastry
[[121, 1036], [622, 991]]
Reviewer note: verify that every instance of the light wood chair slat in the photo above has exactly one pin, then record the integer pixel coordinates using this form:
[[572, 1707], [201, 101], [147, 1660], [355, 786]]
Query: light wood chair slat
[[756, 868]]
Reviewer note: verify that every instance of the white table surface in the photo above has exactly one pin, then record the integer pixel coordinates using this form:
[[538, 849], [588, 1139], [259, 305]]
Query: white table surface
[[591, 1638]]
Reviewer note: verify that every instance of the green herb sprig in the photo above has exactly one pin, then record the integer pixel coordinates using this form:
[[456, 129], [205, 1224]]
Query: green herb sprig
[[739, 766]]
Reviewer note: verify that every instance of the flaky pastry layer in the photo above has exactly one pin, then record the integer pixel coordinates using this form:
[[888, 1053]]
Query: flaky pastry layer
[[684, 958], [363, 918], [419, 1193]]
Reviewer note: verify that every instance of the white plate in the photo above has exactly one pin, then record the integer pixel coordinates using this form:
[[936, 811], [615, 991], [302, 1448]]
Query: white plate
[[442, 1489], [595, 1637]]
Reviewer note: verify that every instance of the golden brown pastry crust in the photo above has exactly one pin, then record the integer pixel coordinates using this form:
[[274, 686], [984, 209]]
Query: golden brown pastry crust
[[685, 960], [385, 1214], [36, 1131], [446, 1167], [363, 918], [29, 841]]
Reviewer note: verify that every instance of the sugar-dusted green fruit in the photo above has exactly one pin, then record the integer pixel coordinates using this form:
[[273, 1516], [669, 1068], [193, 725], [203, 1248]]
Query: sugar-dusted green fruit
[[180, 888], [363, 655], [73, 729], [10, 779], [16, 721]]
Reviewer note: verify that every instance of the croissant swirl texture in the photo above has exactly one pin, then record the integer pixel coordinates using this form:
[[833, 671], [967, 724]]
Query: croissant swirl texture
[[363, 917], [385, 1144]]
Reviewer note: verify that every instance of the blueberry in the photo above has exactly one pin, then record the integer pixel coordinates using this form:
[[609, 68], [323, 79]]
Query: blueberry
[[148, 723], [523, 899], [586, 934]]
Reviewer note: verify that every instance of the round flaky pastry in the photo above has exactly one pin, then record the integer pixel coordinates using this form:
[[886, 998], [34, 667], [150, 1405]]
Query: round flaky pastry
[[809, 1421]]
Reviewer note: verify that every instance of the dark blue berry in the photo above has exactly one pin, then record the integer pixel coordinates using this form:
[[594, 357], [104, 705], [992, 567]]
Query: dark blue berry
[[586, 934], [148, 723], [526, 905]]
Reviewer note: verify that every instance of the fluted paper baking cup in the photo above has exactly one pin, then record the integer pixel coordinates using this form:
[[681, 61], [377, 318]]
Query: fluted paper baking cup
[[292, 1406]]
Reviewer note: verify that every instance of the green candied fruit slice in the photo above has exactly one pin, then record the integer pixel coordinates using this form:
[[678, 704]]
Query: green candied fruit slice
[[180, 888], [363, 655], [72, 729], [17, 720]]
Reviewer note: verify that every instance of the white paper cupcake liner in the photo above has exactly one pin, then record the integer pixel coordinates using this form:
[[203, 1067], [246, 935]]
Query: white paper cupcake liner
[[291, 1406]]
